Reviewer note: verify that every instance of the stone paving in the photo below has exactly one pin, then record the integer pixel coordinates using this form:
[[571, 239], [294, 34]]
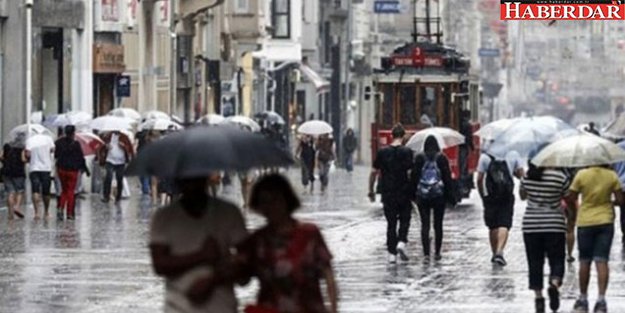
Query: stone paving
[[100, 262]]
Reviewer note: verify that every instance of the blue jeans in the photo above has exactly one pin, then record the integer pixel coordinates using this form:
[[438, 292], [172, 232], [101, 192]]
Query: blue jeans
[[349, 161], [594, 242], [145, 185]]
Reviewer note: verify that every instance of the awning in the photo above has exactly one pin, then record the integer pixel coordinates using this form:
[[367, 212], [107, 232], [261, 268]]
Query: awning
[[320, 83], [279, 52]]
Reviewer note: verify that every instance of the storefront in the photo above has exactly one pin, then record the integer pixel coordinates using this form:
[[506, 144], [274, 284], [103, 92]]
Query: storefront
[[108, 64]]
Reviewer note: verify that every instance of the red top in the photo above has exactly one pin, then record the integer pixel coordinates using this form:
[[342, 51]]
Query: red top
[[289, 267]]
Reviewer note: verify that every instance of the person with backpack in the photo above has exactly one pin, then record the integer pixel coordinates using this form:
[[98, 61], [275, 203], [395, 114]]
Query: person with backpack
[[392, 165], [431, 176], [496, 187], [545, 230]]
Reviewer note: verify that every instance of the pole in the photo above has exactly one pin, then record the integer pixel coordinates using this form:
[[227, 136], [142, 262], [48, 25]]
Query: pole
[[348, 57], [428, 29], [174, 57], [29, 61]]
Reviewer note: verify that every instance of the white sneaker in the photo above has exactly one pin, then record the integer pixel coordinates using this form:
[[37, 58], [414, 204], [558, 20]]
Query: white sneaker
[[392, 259], [401, 249]]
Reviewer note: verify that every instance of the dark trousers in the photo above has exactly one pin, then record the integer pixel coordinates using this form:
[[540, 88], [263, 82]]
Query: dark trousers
[[145, 184], [349, 161], [396, 209], [108, 180], [539, 245], [426, 207], [68, 184], [308, 173]]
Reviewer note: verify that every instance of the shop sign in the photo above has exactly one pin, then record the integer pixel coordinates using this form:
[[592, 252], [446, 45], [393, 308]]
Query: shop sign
[[123, 86], [108, 59]]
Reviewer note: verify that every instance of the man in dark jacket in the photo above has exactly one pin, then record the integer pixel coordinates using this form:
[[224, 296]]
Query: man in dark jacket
[[392, 164], [431, 178], [349, 146], [70, 161]]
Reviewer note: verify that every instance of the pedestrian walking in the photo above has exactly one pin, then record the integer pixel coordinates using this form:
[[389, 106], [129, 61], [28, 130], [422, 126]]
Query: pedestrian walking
[[431, 178], [350, 143], [390, 168], [595, 228], [117, 152], [619, 168], [290, 258], [14, 178], [70, 162], [325, 156], [306, 154], [544, 231], [188, 238], [496, 188], [40, 161], [464, 150], [143, 139]]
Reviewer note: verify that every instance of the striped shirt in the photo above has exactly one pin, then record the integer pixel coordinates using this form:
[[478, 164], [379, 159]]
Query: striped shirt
[[544, 213]]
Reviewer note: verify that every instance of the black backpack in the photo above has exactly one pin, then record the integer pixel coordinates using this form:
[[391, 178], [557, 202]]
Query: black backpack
[[499, 184]]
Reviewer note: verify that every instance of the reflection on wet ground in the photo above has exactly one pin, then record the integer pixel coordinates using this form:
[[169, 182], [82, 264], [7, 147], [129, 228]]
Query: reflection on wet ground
[[100, 262]]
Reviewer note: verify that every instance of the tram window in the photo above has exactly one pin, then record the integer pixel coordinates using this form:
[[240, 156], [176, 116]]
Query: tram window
[[408, 105], [448, 112], [428, 104], [387, 105]]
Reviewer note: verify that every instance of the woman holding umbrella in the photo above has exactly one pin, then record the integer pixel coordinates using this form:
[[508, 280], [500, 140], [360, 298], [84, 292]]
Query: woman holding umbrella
[[431, 177], [306, 154]]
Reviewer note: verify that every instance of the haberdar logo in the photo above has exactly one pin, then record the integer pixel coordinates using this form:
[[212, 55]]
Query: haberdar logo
[[563, 10]]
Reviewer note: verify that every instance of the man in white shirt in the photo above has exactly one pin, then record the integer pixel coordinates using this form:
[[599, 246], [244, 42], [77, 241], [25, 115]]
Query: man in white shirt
[[187, 238], [118, 151], [40, 159]]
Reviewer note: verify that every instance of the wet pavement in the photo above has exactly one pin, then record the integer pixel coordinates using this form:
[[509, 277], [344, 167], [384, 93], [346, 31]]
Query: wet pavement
[[100, 262]]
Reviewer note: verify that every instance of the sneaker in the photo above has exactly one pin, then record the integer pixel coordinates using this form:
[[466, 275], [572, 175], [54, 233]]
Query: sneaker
[[438, 257], [554, 297], [499, 260], [601, 307], [392, 259], [570, 259], [401, 249], [59, 216], [539, 303], [580, 306], [493, 260]]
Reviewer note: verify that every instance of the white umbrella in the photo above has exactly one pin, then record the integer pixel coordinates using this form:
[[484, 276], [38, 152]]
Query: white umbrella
[[211, 119], [153, 115], [315, 128], [579, 151], [19, 134], [243, 121], [160, 124], [112, 123], [37, 141], [71, 118], [491, 130], [126, 112], [446, 137]]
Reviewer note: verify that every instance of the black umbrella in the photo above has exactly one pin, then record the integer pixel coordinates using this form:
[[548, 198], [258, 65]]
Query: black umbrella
[[271, 117], [201, 151]]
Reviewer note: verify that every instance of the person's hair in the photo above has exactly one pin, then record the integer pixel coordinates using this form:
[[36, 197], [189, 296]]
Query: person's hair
[[398, 131], [275, 183], [431, 145], [70, 130], [534, 172], [6, 149]]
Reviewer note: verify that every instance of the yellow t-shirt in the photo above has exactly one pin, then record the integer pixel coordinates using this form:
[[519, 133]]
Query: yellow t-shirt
[[596, 186]]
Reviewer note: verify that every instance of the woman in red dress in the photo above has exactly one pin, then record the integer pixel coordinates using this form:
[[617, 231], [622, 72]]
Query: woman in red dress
[[288, 257]]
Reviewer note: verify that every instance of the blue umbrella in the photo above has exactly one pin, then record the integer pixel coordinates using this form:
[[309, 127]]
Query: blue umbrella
[[527, 136]]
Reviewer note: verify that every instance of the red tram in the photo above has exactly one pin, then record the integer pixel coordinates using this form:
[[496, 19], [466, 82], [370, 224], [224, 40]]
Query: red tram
[[423, 84]]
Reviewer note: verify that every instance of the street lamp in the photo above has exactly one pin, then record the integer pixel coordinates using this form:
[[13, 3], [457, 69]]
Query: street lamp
[[29, 61]]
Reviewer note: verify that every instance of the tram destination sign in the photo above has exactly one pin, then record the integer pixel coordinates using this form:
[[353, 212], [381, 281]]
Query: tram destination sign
[[418, 58]]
